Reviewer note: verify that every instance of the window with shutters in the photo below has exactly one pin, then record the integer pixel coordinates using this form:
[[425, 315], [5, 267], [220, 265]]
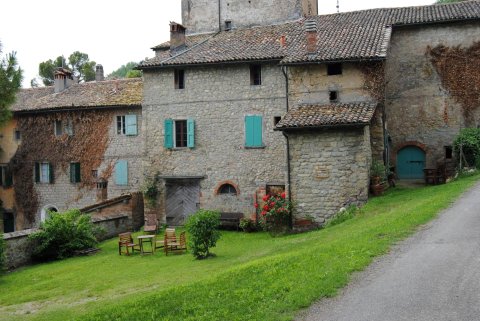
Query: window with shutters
[[179, 133], [6, 177], [43, 172], [121, 172], [253, 131], [127, 125], [75, 173], [255, 75]]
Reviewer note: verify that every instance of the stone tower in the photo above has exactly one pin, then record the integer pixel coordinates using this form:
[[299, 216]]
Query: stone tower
[[202, 16]]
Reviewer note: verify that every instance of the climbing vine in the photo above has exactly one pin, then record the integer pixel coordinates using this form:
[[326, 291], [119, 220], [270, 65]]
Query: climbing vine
[[374, 74], [86, 146], [459, 72]]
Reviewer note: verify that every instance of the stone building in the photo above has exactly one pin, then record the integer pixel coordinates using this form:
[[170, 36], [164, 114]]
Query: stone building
[[245, 99], [71, 146]]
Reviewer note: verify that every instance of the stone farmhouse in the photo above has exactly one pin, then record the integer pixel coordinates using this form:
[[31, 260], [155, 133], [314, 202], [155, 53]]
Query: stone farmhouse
[[252, 97], [71, 146]]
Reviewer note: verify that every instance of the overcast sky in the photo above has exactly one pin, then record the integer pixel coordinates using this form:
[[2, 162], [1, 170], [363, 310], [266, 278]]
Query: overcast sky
[[112, 33]]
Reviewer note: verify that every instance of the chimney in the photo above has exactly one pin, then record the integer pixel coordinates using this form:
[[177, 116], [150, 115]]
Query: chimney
[[177, 35], [283, 41], [99, 73], [63, 79], [311, 30], [102, 194]]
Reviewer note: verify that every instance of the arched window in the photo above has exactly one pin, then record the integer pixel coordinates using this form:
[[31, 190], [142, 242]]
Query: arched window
[[227, 189], [47, 209]]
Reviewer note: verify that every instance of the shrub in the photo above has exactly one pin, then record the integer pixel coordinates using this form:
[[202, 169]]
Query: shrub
[[276, 213], [64, 233], [248, 225], [2, 254], [203, 232], [343, 215], [469, 140]]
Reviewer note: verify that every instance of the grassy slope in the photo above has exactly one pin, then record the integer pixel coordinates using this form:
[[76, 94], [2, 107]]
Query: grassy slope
[[254, 277]]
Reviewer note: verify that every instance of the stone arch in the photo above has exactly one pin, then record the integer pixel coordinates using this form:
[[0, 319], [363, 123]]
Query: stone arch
[[223, 183], [399, 147], [45, 210]]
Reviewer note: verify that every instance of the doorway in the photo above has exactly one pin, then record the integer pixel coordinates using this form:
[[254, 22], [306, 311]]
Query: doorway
[[410, 163], [183, 199]]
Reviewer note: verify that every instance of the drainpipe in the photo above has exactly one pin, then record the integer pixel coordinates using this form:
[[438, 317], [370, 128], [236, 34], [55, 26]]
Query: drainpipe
[[289, 180], [219, 16]]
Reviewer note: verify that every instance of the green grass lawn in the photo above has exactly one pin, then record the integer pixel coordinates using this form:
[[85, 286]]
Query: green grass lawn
[[253, 277]]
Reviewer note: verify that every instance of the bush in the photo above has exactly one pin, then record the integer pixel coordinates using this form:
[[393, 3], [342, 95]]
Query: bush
[[2, 254], [62, 234], [469, 139], [202, 228], [248, 225]]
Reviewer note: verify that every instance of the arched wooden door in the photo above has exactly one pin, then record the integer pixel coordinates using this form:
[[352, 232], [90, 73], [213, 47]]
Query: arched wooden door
[[410, 163]]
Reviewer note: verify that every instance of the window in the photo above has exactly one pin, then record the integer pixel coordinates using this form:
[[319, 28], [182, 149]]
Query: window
[[228, 25], [8, 222], [275, 189], [127, 125], [179, 75], [43, 172], [255, 75], [94, 173], [448, 152], [253, 131], [121, 172], [69, 128], [333, 96], [16, 135], [276, 120], [179, 133], [58, 128], [75, 173], [63, 127], [227, 189], [6, 177], [334, 69]]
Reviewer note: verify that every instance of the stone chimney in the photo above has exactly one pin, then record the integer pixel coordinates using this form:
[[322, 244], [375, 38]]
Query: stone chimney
[[63, 79], [102, 190], [99, 73], [311, 30], [177, 35]]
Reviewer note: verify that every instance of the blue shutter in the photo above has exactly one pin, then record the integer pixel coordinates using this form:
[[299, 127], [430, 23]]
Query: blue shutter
[[121, 172], [253, 131], [190, 133], [131, 125], [168, 133]]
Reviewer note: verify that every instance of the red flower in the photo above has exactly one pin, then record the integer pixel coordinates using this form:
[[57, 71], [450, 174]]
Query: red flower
[[283, 195], [265, 208], [264, 213], [256, 205], [265, 198]]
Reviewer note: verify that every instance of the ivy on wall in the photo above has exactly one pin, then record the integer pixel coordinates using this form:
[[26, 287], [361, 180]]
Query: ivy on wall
[[374, 75], [459, 72], [84, 142]]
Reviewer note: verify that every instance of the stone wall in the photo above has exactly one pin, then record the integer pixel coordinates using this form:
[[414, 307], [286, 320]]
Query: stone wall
[[418, 108], [200, 16], [329, 170], [218, 99], [63, 194]]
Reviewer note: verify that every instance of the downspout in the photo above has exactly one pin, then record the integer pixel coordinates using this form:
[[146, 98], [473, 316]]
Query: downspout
[[219, 16], [289, 177]]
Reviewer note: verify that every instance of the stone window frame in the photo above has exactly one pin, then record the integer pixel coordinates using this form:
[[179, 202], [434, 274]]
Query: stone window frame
[[217, 189]]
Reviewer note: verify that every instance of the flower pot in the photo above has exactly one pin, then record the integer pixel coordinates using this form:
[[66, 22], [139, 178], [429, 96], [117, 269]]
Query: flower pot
[[377, 189]]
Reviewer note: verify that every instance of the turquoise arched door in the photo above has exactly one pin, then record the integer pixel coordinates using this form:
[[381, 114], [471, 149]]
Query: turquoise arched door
[[410, 163]]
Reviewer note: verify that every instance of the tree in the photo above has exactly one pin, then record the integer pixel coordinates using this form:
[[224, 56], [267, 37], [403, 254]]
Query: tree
[[10, 82], [126, 71], [78, 62]]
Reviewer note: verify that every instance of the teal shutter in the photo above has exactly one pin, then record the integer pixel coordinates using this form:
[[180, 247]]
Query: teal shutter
[[253, 131], [121, 172], [190, 133], [50, 173], [74, 172], [168, 133], [77, 173], [37, 172], [131, 125]]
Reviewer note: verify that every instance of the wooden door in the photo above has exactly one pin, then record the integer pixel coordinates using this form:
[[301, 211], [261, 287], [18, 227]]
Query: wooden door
[[183, 199], [410, 163]]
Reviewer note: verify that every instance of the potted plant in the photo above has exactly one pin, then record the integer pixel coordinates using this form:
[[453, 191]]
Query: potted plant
[[377, 177]]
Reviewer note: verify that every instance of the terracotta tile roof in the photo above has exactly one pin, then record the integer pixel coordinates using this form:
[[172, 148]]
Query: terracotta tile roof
[[191, 40], [313, 116], [358, 35], [109, 93]]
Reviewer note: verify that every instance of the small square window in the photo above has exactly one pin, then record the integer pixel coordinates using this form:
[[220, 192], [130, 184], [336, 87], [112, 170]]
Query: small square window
[[255, 75], [333, 96], [121, 125], [181, 136], [276, 120], [228, 25], [17, 135], [179, 75], [94, 173], [448, 152], [334, 69]]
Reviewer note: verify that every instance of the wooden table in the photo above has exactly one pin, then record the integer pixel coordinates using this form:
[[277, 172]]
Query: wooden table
[[146, 239]]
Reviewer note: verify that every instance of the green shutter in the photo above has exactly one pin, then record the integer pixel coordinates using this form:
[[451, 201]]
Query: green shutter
[[8, 177], [37, 172], [74, 172], [77, 173], [168, 133], [190, 133], [253, 131], [51, 172], [121, 172], [131, 125]]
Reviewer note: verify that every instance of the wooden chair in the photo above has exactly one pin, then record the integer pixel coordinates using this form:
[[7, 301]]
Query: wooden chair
[[126, 240], [151, 225], [172, 245]]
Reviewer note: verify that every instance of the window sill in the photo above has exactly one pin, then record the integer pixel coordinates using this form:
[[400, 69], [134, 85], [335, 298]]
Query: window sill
[[179, 148], [255, 147]]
